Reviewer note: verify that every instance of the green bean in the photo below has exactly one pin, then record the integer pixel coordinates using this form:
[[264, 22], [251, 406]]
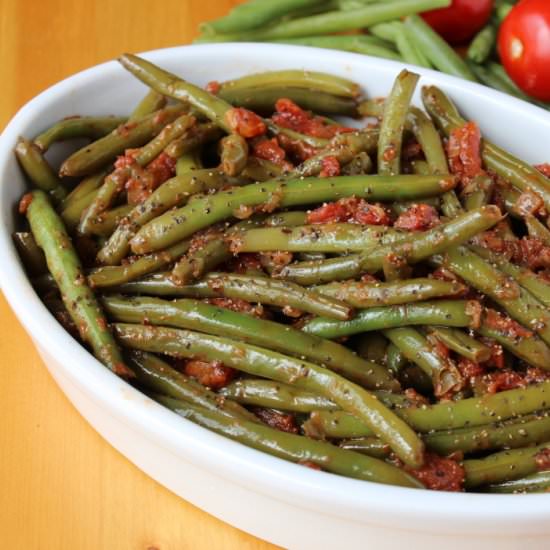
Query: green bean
[[178, 224], [30, 253], [359, 166], [63, 263], [170, 85], [439, 53], [537, 230], [96, 155], [259, 170], [188, 162], [529, 280], [534, 483], [395, 359], [275, 395], [370, 446], [263, 100], [415, 248], [530, 349], [254, 14], [344, 147], [105, 223], [334, 237], [461, 343], [372, 347], [481, 192], [456, 313], [295, 448], [93, 127], [268, 364], [408, 49], [482, 44], [417, 349], [295, 136], [292, 218], [387, 31], [349, 43], [490, 79], [234, 154], [173, 192], [393, 123], [80, 197], [196, 136], [333, 21], [522, 432], [372, 107], [38, 170], [364, 295], [195, 315], [508, 167], [519, 303], [157, 376], [308, 80], [153, 101], [504, 466], [115, 275]]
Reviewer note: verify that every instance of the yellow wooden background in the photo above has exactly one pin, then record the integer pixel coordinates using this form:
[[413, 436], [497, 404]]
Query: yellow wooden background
[[62, 486]]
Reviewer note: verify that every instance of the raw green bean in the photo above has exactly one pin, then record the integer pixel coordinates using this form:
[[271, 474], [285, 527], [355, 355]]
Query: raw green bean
[[254, 14], [64, 264], [486, 278], [158, 376], [268, 364], [295, 448], [333, 21], [461, 343], [195, 315], [153, 101], [263, 100], [526, 278], [38, 170], [349, 43], [439, 53], [73, 127], [364, 295], [96, 155], [522, 432], [176, 225], [453, 313], [170, 85], [275, 395], [393, 122], [308, 80], [415, 248], [30, 253], [504, 466], [534, 483], [417, 349], [483, 44], [114, 275], [234, 154], [173, 192]]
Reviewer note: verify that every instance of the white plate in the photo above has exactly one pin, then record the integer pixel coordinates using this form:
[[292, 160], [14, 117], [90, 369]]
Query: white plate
[[281, 502]]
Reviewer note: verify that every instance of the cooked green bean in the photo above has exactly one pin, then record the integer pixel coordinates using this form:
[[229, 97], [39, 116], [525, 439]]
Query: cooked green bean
[[195, 315], [64, 264], [294, 448], [38, 170], [364, 295], [234, 154], [395, 359], [393, 122], [479, 195], [534, 483], [308, 376], [417, 247], [178, 224], [461, 343], [31, 255], [370, 446], [105, 223], [152, 101], [452, 313], [537, 229]]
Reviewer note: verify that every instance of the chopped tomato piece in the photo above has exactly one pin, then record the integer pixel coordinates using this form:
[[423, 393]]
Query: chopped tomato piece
[[331, 167], [469, 369], [502, 380], [544, 169], [463, 150], [269, 149], [351, 210], [296, 149], [533, 253], [245, 123], [278, 420], [213, 87], [542, 459], [143, 181], [418, 217], [25, 202], [440, 474], [212, 374], [509, 327], [238, 305]]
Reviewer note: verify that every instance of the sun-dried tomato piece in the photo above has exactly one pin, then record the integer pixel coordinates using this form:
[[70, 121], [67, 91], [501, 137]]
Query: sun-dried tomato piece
[[245, 123], [352, 210], [212, 374], [440, 474], [331, 167], [278, 420], [418, 217], [463, 151]]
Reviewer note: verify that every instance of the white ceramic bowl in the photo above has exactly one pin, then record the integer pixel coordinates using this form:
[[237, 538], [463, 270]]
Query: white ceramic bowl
[[278, 501]]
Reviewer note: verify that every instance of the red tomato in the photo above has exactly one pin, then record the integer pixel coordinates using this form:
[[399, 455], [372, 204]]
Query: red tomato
[[524, 47], [461, 20]]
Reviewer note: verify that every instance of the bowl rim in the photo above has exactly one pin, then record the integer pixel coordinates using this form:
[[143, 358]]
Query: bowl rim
[[346, 498]]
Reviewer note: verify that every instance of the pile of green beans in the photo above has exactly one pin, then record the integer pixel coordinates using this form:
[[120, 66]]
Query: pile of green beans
[[390, 29], [249, 296]]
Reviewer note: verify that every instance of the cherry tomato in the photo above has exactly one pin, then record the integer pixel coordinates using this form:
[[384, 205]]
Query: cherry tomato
[[524, 47], [461, 20]]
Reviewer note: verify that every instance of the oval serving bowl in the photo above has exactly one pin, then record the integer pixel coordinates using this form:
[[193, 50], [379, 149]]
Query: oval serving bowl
[[278, 501]]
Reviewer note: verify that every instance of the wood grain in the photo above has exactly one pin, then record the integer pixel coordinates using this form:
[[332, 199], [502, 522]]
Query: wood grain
[[62, 486]]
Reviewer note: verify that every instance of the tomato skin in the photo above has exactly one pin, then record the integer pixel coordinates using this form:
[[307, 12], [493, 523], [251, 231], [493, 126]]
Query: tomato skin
[[524, 47], [461, 20]]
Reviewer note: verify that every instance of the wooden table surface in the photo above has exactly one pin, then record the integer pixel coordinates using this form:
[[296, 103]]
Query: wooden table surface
[[61, 485]]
